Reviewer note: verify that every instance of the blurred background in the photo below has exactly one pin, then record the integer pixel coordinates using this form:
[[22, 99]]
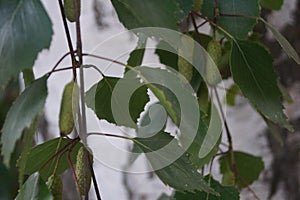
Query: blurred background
[[281, 177]]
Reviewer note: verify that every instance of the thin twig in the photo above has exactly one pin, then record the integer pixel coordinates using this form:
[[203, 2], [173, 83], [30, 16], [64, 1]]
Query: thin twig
[[237, 15], [224, 144], [83, 129], [62, 69], [221, 154], [107, 59], [230, 149], [62, 150], [94, 179], [54, 69], [215, 19], [109, 135], [73, 169], [67, 32], [215, 25], [196, 28], [58, 62], [236, 171], [84, 66], [82, 121], [224, 119], [211, 164], [95, 68], [210, 175]]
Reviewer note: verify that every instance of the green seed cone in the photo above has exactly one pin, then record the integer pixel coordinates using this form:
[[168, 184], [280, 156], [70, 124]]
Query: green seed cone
[[68, 102], [214, 50], [185, 68], [197, 5], [81, 173], [55, 186], [69, 9]]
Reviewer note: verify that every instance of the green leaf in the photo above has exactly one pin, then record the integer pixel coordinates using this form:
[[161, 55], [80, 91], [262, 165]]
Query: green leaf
[[28, 76], [90, 97], [226, 192], [197, 5], [40, 158], [274, 131], [186, 7], [28, 138], [237, 26], [208, 8], [137, 55], [165, 197], [181, 173], [248, 168], [203, 99], [8, 186], [153, 121], [200, 162], [167, 57], [154, 13], [252, 70], [171, 90], [34, 189], [168, 100], [104, 97], [231, 94], [21, 114], [208, 138], [165, 50], [287, 47], [25, 29], [136, 152], [29, 133], [285, 94], [179, 100], [271, 4]]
